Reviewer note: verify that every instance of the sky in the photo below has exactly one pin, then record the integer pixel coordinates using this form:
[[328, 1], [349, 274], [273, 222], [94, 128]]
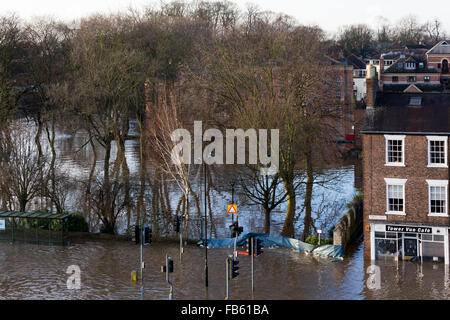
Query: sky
[[328, 14]]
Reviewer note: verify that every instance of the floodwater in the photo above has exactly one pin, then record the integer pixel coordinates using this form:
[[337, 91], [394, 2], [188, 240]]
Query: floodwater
[[39, 272], [29, 271], [329, 198]]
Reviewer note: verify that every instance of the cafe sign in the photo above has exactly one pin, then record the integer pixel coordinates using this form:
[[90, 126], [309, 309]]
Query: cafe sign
[[408, 229]]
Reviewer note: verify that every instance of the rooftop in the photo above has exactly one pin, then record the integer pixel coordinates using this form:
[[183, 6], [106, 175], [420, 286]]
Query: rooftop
[[425, 113], [420, 66], [32, 215], [443, 47]]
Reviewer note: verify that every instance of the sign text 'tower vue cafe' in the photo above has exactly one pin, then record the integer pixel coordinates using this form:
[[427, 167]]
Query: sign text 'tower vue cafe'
[[408, 229]]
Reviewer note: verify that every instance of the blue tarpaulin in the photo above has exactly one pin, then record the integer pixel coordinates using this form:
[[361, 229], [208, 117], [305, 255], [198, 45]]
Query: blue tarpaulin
[[271, 240]]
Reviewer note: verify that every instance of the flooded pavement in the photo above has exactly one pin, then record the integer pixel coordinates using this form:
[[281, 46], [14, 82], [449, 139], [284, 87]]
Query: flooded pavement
[[39, 272]]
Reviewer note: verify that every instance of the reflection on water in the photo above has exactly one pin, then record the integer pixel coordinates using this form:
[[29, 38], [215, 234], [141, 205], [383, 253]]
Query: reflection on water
[[329, 198], [38, 272]]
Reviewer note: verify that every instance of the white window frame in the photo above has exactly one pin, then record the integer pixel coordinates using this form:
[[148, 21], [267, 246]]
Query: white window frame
[[437, 183], [395, 182], [410, 65], [394, 137], [438, 138]]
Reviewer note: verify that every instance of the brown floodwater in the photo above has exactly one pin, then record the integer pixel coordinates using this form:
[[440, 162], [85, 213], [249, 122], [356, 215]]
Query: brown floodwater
[[30, 271]]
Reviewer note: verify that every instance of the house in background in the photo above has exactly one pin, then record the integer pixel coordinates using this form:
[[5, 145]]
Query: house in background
[[405, 142], [416, 68], [439, 58], [359, 76], [410, 74], [342, 74]]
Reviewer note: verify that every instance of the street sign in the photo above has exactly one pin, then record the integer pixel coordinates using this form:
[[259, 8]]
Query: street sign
[[232, 208], [2, 224]]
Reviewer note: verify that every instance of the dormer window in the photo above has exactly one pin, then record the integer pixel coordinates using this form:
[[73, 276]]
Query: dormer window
[[410, 65], [445, 43], [415, 101]]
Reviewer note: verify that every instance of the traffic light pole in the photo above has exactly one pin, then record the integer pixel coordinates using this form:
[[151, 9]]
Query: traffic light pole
[[141, 230], [181, 238], [232, 200], [252, 243], [227, 281], [168, 278]]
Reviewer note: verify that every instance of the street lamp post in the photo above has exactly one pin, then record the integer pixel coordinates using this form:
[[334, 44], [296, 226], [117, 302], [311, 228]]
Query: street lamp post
[[205, 216], [206, 227]]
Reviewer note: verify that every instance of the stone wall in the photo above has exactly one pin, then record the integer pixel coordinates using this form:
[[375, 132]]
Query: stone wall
[[349, 226]]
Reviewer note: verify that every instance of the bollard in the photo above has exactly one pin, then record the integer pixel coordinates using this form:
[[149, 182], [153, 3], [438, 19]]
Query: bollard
[[134, 275]]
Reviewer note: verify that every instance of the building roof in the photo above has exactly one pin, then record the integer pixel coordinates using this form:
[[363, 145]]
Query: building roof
[[442, 47], [32, 215], [421, 66], [356, 62], [424, 87], [409, 113]]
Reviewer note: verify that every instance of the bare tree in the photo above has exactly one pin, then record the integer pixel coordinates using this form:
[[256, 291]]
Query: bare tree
[[277, 80], [106, 86], [22, 174], [409, 31], [263, 190], [12, 53], [433, 29], [175, 165]]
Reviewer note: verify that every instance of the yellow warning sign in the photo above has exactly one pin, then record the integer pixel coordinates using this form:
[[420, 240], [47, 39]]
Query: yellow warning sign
[[232, 208]]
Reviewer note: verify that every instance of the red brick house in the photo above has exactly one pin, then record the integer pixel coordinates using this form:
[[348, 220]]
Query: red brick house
[[439, 58], [343, 88], [406, 174], [415, 71]]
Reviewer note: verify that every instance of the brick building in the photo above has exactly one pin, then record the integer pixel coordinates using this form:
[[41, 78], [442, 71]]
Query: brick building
[[415, 70], [406, 174], [343, 92]]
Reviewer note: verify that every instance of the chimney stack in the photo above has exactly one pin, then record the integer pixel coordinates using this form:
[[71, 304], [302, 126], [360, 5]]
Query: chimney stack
[[371, 85]]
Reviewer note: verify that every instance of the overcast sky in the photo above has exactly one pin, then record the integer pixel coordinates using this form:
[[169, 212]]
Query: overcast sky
[[329, 14]]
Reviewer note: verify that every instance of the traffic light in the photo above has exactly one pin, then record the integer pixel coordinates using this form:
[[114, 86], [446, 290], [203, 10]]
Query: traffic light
[[234, 268], [137, 234], [169, 264], [259, 247], [176, 225], [249, 246], [147, 235], [235, 229]]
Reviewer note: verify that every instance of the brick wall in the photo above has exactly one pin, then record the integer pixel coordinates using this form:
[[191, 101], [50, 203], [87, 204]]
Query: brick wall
[[416, 187], [403, 78], [435, 60]]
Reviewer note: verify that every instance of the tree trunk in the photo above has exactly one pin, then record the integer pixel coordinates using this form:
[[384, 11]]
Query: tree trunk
[[107, 212], [141, 210], [51, 140], [308, 197], [22, 203], [266, 219], [288, 227], [88, 202]]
